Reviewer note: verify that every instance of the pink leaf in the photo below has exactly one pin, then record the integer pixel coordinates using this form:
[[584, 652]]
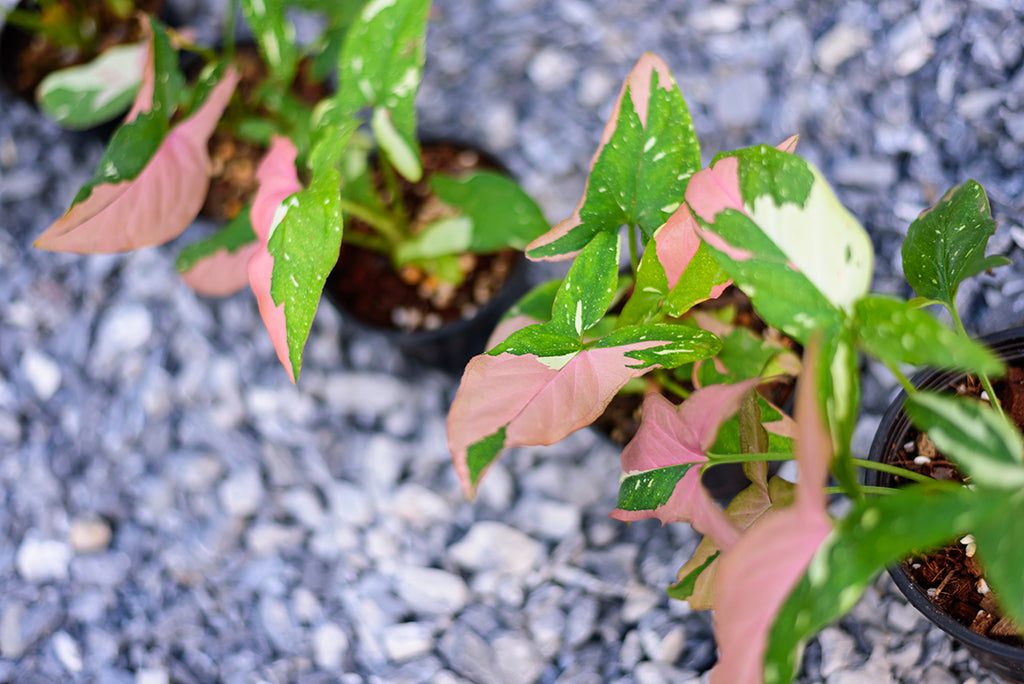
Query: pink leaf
[[671, 435], [277, 180], [760, 570], [158, 204], [639, 84], [541, 400], [676, 243], [221, 274]]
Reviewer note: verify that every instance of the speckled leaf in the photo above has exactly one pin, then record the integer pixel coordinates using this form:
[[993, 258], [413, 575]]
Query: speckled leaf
[[1001, 553], [647, 153], [874, 534], [895, 330], [946, 243], [89, 94], [380, 67], [305, 246], [589, 288], [981, 441], [275, 36]]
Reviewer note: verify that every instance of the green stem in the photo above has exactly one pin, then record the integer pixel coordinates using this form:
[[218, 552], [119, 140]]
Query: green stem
[[985, 381], [891, 469], [715, 459], [904, 381], [397, 204], [671, 385], [230, 20], [866, 489], [372, 242], [384, 225], [634, 249]]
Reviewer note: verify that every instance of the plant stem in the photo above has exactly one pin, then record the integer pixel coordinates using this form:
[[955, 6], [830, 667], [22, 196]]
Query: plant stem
[[396, 203], [634, 249], [985, 382], [714, 459], [384, 225], [866, 489], [671, 385], [372, 242], [908, 386], [891, 469], [230, 19]]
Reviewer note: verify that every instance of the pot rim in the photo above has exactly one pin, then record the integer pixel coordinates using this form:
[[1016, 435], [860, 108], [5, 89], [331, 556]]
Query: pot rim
[[1009, 345]]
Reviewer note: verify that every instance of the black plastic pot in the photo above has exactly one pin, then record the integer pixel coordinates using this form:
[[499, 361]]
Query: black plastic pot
[[1002, 659], [452, 345]]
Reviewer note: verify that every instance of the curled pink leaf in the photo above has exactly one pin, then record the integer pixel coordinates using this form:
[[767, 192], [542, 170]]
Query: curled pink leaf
[[158, 204], [222, 274], [278, 180]]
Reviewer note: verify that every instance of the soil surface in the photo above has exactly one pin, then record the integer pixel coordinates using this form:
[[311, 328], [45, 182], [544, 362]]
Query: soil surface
[[366, 285], [27, 58], [951, 576]]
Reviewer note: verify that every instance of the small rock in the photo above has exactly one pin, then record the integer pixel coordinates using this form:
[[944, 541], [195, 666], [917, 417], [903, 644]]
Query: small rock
[[739, 101], [330, 644], [551, 69], [305, 507], [418, 505], [910, 46], [499, 123], [199, 473], [42, 373], [407, 640], [596, 87], [517, 659], [366, 393], [904, 617], [306, 606], [720, 18], [242, 493], [123, 329], [469, 655], [494, 546], [431, 591], [89, 535], [549, 519], [152, 675], [68, 652], [839, 44], [837, 648], [271, 538], [12, 645], [42, 560]]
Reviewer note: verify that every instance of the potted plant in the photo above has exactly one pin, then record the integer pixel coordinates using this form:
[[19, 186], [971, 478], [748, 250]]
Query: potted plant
[[80, 61], [321, 173], [775, 565]]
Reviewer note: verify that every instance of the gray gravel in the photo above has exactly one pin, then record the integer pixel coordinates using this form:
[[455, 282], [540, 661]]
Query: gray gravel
[[172, 509]]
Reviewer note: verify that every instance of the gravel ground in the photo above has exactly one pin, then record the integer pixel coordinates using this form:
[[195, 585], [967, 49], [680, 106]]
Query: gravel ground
[[172, 509]]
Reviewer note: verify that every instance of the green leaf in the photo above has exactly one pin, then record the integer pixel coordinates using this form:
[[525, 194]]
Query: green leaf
[[683, 589], [639, 176], [897, 332], [87, 95], [650, 489], [168, 82], [446, 236], [946, 243], [305, 247], [536, 303], [275, 36], [380, 67], [1001, 553], [481, 454], [765, 171], [589, 288], [982, 441], [501, 214], [702, 274], [130, 149], [232, 237], [539, 339], [680, 344], [877, 532]]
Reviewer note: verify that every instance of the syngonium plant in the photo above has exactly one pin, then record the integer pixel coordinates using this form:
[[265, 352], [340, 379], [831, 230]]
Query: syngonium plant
[[775, 565], [318, 172]]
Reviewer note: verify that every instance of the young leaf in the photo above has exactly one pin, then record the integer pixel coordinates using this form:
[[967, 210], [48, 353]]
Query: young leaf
[[380, 67], [1000, 553], [661, 466], [790, 217], [217, 266], [897, 331], [127, 207], [87, 95], [648, 151], [982, 441], [758, 572], [875, 533], [946, 243], [532, 308], [275, 36], [540, 385], [278, 181]]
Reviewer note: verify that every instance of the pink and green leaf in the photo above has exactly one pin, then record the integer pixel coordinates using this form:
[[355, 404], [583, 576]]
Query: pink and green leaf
[[129, 204], [648, 151], [759, 571], [511, 397], [216, 266]]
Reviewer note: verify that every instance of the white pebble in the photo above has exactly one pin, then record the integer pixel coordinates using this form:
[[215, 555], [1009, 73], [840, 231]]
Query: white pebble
[[42, 373], [242, 493], [152, 675], [89, 535], [68, 652], [41, 560], [330, 644], [407, 640]]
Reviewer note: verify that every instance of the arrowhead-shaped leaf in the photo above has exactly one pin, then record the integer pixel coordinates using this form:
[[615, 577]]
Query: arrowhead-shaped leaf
[[216, 266], [87, 95], [946, 243], [129, 204], [758, 572], [380, 67], [278, 181], [647, 153], [894, 329]]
